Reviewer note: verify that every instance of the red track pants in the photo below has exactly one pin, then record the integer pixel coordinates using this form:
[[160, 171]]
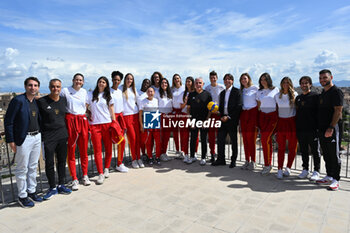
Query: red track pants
[[165, 135], [185, 136], [121, 146], [286, 131], [249, 130], [176, 130], [101, 132], [153, 137], [133, 133], [267, 123], [212, 134], [78, 133]]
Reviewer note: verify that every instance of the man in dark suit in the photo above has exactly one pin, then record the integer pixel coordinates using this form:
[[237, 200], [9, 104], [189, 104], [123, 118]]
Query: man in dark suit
[[22, 131], [230, 106]]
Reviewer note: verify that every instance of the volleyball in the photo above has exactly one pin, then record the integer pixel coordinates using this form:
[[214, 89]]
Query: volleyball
[[213, 106]]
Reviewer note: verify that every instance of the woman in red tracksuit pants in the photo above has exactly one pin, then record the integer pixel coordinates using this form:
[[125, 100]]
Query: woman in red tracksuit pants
[[117, 97], [177, 90], [267, 117], [152, 135], [131, 118], [165, 108], [286, 128], [78, 128], [249, 120], [100, 105]]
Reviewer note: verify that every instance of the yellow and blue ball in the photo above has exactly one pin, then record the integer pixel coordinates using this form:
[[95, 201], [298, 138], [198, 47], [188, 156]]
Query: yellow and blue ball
[[213, 106]]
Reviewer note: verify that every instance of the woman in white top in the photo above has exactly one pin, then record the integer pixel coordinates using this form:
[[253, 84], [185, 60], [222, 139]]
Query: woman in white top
[[249, 120], [152, 135], [286, 128], [131, 118], [267, 117], [155, 82], [142, 94], [165, 108], [100, 105], [117, 96], [177, 90], [78, 128]]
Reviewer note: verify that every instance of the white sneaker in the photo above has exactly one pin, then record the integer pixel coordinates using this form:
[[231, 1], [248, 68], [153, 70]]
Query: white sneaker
[[180, 155], [315, 176], [164, 157], [325, 180], [186, 159], [334, 185], [279, 174], [192, 160], [75, 185], [266, 170], [245, 165], [122, 168], [106, 173], [134, 164], [141, 165], [251, 166], [303, 174], [202, 162], [100, 179], [167, 157], [286, 172], [86, 181]]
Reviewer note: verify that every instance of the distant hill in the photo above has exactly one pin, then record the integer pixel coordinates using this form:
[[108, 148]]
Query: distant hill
[[340, 83]]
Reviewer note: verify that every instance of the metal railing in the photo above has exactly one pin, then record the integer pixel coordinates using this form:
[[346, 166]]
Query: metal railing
[[8, 189]]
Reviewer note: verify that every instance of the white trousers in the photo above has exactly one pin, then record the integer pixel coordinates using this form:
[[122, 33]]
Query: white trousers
[[27, 158]]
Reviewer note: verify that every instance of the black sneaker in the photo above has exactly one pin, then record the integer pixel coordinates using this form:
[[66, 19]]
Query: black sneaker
[[35, 197], [158, 161], [26, 202], [150, 161]]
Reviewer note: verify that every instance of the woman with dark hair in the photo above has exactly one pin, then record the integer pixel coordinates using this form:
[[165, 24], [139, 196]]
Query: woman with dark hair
[[142, 94], [100, 105], [165, 108], [249, 120], [155, 82], [117, 96], [286, 128], [152, 135], [78, 128], [267, 117], [185, 132], [177, 90], [131, 118]]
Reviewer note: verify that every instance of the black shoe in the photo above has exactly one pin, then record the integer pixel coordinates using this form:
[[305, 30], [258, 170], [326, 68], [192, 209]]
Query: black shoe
[[26, 202], [232, 165], [35, 197], [212, 160], [157, 161], [150, 161], [219, 163]]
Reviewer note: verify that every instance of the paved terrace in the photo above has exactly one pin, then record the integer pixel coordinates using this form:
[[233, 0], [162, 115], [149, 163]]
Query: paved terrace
[[176, 197]]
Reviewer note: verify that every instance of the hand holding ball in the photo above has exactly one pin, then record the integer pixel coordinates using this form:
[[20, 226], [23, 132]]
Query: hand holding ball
[[213, 107]]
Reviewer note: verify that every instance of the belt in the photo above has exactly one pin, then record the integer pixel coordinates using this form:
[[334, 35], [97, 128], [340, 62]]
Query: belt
[[33, 133]]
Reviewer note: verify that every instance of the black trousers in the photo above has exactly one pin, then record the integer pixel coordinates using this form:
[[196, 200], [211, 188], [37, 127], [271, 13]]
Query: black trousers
[[60, 148], [309, 139], [231, 129], [204, 144], [331, 155]]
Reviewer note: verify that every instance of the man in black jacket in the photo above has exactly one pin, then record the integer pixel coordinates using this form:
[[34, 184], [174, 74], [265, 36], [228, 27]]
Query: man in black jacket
[[230, 106]]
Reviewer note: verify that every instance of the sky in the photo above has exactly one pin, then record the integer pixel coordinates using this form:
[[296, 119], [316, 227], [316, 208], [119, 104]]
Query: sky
[[58, 38]]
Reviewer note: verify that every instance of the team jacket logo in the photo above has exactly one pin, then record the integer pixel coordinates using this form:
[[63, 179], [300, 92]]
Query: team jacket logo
[[151, 120]]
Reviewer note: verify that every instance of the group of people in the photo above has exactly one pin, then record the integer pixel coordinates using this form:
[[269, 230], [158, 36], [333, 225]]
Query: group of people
[[65, 117]]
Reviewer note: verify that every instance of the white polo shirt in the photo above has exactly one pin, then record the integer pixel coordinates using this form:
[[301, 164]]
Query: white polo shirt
[[141, 96], [249, 97], [130, 104], [118, 100], [267, 99], [215, 91], [99, 110], [177, 96], [76, 100], [149, 105], [165, 104], [284, 108]]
